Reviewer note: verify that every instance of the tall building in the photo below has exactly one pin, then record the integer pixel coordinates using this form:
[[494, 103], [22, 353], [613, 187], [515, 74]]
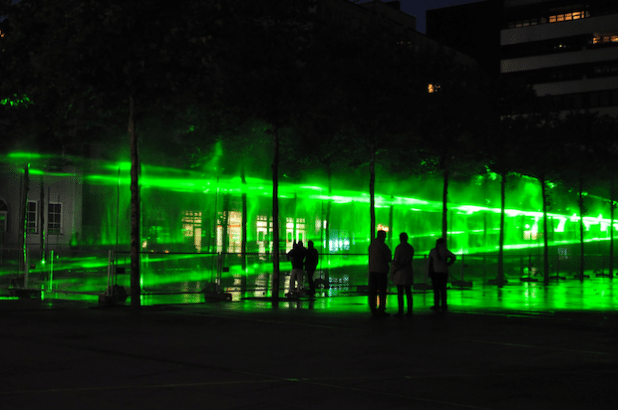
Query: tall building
[[567, 49]]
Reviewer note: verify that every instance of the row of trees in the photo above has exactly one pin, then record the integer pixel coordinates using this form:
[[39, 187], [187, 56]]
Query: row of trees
[[337, 98]]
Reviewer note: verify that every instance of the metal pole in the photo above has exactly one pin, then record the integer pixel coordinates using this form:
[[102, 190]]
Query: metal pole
[[26, 268], [109, 273], [51, 270]]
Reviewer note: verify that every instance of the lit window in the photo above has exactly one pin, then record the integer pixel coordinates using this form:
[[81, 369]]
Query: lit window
[[575, 15], [192, 228], [433, 88], [32, 220], [54, 218], [264, 227], [604, 38], [295, 231], [231, 221]]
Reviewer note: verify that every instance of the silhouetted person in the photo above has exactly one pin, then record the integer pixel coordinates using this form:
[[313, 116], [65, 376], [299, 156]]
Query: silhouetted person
[[380, 257], [297, 257], [311, 263], [440, 259], [402, 273]]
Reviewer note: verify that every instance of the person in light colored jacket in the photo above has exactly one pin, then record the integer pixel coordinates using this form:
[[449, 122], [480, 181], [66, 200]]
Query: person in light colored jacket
[[402, 274]]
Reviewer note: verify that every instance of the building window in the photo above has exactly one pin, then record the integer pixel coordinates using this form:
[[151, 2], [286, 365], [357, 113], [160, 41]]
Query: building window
[[433, 88], [605, 69], [574, 15], [54, 218], [605, 38], [192, 228], [264, 226], [4, 215], [229, 232], [32, 217], [294, 231], [524, 23]]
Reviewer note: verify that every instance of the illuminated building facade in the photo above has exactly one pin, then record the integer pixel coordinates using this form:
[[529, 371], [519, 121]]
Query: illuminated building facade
[[567, 49]]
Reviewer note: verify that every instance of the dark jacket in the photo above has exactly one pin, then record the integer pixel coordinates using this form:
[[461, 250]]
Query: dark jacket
[[297, 256]]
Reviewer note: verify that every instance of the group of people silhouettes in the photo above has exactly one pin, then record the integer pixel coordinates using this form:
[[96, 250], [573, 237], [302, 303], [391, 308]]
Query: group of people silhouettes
[[303, 260], [381, 264]]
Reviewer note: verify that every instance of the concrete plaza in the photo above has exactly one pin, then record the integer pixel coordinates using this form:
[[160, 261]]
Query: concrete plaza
[[521, 347]]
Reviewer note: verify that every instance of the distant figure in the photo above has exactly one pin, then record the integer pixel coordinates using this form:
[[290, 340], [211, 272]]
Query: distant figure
[[297, 257], [380, 257], [440, 259], [311, 263], [401, 273]]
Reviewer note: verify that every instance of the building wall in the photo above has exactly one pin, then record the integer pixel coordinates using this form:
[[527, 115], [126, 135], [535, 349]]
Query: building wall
[[57, 194], [567, 50]]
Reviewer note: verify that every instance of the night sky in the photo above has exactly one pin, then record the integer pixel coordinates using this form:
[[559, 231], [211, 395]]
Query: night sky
[[417, 8]]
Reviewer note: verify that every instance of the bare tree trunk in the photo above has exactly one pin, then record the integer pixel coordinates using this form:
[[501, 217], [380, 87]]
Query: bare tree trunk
[[372, 199], [326, 278], [545, 243], [275, 169], [501, 240], [445, 198], [42, 230], [390, 226], [581, 230], [612, 207], [225, 234], [23, 221], [135, 210], [243, 243]]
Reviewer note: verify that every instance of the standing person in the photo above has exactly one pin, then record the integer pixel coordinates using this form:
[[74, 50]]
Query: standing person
[[440, 259], [402, 274], [380, 257], [297, 257], [311, 263]]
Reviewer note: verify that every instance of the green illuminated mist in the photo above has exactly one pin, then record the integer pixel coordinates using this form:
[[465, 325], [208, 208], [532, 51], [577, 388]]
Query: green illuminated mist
[[189, 217], [190, 211]]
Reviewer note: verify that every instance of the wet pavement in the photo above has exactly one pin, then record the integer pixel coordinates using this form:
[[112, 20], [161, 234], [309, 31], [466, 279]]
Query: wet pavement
[[525, 346]]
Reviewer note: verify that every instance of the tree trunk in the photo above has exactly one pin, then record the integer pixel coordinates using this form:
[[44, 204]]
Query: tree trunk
[[501, 239], [225, 233], [275, 169], [372, 199], [135, 210], [243, 243], [581, 230], [326, 278], [23, 229], [42, 230], [545, 243], [611, 229], [445, 199], [391, 229]]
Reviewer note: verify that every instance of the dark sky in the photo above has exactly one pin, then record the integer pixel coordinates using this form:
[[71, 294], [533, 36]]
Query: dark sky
[[417, 8]]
